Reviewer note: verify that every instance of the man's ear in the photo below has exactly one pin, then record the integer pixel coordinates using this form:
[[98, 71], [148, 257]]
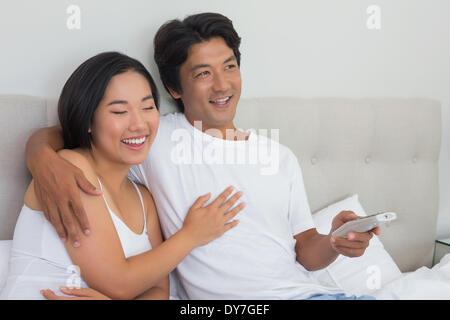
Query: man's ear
[[174, 93]]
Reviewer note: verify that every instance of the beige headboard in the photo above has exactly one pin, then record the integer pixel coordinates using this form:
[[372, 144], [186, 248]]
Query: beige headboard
[[385, 150]]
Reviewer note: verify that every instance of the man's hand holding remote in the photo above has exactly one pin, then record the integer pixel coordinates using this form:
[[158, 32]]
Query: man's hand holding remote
[[356, 243]]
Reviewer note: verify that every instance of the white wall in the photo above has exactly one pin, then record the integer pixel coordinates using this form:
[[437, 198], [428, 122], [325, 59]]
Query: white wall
[[315, 48]]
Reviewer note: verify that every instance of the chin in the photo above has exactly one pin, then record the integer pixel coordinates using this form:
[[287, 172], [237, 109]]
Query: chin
[[134, 162], [135, 159], [224, 121]]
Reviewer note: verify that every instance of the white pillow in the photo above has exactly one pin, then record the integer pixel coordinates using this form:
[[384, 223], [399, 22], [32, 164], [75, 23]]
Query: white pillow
[[355, 276], [5, 248]]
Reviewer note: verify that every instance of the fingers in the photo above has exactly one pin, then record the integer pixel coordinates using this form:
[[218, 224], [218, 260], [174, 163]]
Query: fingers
[[231, 214], [78, 210], [222, 197], [55, 220], [50, 295], [77, 292], [348, 216], [86, 186], [352, 248], [351, 252], [201, 201], [230, 225], [342, 242], [69, 223], [356, 237], [359, 236], [58, 192], [50, 210], [71, 217], [376, 230], [228, 204]]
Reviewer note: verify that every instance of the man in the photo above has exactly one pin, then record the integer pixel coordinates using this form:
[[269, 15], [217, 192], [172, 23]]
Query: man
[[197, 151]]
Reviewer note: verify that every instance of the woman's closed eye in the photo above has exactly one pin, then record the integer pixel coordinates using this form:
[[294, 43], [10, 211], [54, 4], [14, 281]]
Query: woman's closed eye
[[119, 112], [124, 111]]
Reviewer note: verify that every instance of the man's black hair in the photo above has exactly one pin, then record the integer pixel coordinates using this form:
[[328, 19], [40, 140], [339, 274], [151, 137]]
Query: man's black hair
[[85, 89], [174, 38]]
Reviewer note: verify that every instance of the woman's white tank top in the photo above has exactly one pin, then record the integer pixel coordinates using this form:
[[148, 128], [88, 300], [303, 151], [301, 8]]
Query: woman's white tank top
[[39, 259], [132, 243]]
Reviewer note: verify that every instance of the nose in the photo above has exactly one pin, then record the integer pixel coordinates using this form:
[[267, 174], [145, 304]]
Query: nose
[[220, 82], [137, 123]]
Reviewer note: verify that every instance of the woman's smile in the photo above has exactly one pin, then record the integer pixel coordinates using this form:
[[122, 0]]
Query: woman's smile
[[135, 143]]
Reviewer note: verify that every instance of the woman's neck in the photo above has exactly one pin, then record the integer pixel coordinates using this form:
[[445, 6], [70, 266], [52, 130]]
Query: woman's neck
[[112, 174]]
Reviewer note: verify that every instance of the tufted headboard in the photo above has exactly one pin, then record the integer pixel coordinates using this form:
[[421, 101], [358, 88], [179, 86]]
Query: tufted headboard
[[385, 150], [21, 116]]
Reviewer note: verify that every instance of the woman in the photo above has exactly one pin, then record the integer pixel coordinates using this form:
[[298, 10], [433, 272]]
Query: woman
[[108, 111]]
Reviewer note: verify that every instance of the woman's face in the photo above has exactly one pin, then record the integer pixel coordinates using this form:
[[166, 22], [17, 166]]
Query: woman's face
[[126, 120]]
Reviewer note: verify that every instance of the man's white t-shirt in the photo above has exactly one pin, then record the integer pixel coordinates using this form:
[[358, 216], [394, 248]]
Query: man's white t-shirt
[[256, 259]]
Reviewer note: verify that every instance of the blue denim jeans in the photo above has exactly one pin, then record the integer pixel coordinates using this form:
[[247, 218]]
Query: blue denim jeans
[[338, 296]]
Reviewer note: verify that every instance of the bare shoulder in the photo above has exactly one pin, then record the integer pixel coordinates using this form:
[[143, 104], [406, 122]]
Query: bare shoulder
[[74, 157], [30, 198], [79, 159]]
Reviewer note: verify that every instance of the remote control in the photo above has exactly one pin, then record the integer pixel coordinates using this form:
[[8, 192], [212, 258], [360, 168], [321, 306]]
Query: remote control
[[364, 224]]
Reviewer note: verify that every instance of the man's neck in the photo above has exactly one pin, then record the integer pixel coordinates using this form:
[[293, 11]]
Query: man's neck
[[225, 132]]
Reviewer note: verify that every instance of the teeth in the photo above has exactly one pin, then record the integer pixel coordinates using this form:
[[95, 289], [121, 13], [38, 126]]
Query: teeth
[[221, 100], [134, 141]]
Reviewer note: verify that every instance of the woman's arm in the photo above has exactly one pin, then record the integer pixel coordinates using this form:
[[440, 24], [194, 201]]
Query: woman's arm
[[155, 293], [101, 259], [56, 184], [161, 290]]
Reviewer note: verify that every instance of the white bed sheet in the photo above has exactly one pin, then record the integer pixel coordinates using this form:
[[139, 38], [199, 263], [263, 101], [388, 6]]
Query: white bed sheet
[[422, 284], [5, 247]]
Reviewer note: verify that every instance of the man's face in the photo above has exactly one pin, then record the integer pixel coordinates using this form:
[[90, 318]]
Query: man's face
[[211, 84]]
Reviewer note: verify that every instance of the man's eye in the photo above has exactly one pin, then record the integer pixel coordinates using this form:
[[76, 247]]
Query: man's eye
[[231, 66], [150, 108], [118, 112], [202, 74]]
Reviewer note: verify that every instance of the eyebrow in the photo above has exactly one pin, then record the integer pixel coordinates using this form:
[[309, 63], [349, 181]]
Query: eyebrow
[[232, 58], [198, 66], [149, 97]]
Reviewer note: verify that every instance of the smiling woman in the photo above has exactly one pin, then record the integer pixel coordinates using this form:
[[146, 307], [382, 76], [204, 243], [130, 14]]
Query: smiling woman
[[126, 115], [76, 107], [136, 142], [109, 117]]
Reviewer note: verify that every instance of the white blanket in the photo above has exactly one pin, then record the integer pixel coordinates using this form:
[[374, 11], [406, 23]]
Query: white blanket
[[422, 284], [5, 247]]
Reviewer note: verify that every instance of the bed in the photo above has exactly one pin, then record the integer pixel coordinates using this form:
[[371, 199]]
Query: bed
[[366, 155]]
